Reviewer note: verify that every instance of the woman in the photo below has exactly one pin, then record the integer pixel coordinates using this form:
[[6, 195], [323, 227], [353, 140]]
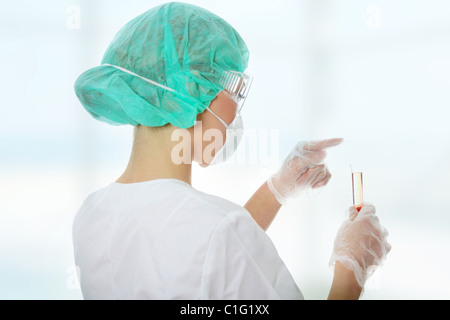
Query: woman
[[176, 73]]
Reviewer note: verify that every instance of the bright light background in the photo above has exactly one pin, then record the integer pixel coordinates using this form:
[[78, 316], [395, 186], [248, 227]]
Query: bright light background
[[376, 73]]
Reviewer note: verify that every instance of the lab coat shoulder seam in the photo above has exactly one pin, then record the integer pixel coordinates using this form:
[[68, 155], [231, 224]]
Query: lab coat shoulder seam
[[211, 200], [203, 294], [252, 258], [226, 219]]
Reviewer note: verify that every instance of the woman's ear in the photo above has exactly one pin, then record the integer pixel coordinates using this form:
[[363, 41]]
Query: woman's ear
[[224, 106]]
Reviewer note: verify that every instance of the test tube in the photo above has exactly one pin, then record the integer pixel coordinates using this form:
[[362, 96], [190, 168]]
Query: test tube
[[357, 184]]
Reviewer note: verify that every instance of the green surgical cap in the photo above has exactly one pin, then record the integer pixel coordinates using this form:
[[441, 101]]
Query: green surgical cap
[[177, 45]]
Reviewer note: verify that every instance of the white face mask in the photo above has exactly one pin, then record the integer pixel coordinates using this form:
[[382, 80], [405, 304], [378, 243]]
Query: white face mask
[[235, 132]]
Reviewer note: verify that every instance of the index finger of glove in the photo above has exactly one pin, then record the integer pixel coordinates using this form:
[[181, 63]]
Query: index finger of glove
[[322, 144]]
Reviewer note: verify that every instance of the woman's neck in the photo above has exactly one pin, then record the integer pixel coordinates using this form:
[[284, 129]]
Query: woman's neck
[[151, 158]]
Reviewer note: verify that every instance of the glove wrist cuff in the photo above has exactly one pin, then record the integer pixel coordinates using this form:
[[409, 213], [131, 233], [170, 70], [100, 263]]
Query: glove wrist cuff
[[274, 191]]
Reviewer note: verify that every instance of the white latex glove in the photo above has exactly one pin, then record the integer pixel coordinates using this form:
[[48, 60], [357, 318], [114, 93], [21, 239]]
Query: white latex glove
[[361, 243], [302, 170]]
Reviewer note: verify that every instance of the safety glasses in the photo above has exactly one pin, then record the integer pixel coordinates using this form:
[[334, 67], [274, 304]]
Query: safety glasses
[[237, 85]]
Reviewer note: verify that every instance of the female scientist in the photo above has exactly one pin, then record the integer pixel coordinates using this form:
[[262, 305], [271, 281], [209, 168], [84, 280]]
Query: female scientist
[[175, 73]]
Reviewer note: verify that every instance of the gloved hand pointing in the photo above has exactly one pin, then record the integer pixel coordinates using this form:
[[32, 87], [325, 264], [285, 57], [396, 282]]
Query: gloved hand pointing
[[361, 244], [302, 169]]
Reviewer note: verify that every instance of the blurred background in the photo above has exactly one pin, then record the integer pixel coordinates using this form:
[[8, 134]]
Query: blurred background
[[376, 73]]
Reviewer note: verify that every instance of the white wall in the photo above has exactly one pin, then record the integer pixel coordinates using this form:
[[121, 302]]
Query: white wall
[[376, 73]]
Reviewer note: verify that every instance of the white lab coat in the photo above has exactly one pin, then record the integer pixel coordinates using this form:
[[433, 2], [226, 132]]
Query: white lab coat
[[163, 240]]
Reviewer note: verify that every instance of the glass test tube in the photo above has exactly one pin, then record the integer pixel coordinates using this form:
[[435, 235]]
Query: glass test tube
[[357, 184]]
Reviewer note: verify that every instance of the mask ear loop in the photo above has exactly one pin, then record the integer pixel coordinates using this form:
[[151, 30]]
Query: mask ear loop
[[164, 87], [218, 118]]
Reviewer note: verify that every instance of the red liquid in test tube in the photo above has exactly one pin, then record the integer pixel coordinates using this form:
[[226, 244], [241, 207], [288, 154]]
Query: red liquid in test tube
[[357, 183]]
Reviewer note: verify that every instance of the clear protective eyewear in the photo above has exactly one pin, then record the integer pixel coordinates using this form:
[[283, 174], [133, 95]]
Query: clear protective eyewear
[[237, 85]]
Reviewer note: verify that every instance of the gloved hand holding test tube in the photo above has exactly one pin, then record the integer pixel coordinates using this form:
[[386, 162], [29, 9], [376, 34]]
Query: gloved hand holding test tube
[[361, 243]]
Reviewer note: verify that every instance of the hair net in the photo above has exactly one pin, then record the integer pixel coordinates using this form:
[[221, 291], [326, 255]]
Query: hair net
[[179, 46]]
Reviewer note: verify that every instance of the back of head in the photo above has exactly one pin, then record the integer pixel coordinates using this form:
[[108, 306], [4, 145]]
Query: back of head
[[183, 48]]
